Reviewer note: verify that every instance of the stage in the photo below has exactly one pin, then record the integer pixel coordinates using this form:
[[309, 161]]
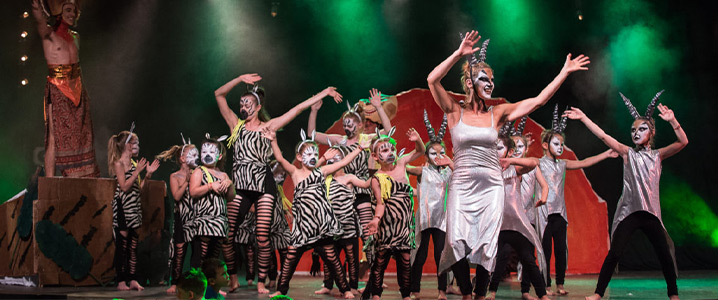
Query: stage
[[626, 285]]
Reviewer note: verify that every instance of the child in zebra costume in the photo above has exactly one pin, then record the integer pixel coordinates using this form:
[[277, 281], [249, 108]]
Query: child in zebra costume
[[126, 204], [209, 188], [516, 230], [552, 218], [393, 221], [187, 157], [314, 224], [250, 168], [340, 193], [639, 206]]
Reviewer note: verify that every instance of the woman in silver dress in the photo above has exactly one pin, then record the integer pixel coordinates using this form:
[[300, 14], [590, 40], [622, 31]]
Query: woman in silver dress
[[476, 194], [639, 206]]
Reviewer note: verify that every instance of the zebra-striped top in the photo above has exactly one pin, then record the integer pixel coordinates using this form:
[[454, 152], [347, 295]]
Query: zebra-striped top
[[210, 212], [359, 166], [396, 229], [342, 199], [313, 216], [186, 213], [252, 154], [127, 206]]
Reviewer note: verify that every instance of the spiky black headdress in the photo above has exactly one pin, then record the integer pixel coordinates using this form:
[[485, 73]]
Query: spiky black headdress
[[558, 124], [436, 138], [649, 109], [509, 130]]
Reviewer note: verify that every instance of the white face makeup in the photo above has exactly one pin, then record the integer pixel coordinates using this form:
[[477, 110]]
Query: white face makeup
[[641, 133], [556, 146], [209, 154], [433, 153], [350, 127], [134, 145], [192, 157], [386, 153], [247, 107], [484, 83], [501, 148], [310, 156], [520, 148]]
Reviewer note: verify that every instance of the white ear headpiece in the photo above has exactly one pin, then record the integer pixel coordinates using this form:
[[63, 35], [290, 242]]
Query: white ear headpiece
[[303, 135], [132, 130]]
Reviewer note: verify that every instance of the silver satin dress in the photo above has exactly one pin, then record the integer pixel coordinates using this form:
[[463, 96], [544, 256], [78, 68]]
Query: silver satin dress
[[641, 177], [431, 212], [474, 206], [555, 174], [515, 215], [528, 186]]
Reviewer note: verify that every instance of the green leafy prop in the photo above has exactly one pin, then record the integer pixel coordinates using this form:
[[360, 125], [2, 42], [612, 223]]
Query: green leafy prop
[[59, 246]]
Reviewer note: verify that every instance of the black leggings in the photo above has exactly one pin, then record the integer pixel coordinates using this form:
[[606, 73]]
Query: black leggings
[[326, 251], [204, 247], [126, 254], [652, 227], [403, 270], [178, 261], [462, 275], [351, 259], [556, 231], [525, 250], [236, 211], [421, 254]]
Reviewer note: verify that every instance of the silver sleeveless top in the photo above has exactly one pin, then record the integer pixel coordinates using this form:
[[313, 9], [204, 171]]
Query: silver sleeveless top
[[555, 174], [528, 186], [474, 206], [432, 196]]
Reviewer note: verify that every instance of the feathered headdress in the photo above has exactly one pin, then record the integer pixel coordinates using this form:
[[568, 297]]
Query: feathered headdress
[[436, 138], [303, 135], [558, 124], [649, 109], [473, 61]]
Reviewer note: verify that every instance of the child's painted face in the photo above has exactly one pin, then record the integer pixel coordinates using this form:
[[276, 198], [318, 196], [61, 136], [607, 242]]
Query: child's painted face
[[520, 149], [640, 132], [134, 145], [310, 155], [336, 158], [386, 153], [247, 107], [210, 154], [351, 126], [191, 157], [556, 145], [501, 148], [434, 151], [279, 173]]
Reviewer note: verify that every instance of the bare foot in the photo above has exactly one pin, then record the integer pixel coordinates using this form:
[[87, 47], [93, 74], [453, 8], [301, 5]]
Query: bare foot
[[549, 292], [223, 293], [477, 297], [275, 294], [361, 290], [323, 291], [674, 297], [122, 286], [375, 298], [465, 297], [271, 284], [593, 297], [134, 285], [491, 295], [560, 290], [348, 295], [442, 295], [355, 291], [233, 283], [527, 296], [452, 290], [414, 295], [384, 285], [261, 289], [250, 282], [172, 290]]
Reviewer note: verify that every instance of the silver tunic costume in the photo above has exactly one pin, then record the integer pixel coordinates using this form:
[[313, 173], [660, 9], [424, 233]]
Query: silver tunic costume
[[474, 206], [555, 174], [432, 201], [528, 186], [515, 215], [641, 177]]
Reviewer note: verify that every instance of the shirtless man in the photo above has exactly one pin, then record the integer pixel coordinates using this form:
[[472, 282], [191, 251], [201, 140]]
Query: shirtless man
[[69, 147]]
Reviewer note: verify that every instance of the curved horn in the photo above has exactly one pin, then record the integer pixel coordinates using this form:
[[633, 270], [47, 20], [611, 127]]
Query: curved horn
[[442, 128], [303, 135], [482, 52], [631, 108], [429, 128], [562, 124], [132, 130], [555, 121], [652, 105], [522, 125]]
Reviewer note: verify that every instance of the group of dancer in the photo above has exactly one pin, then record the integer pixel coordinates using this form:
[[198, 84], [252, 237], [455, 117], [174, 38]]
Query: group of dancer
[[489, 199]]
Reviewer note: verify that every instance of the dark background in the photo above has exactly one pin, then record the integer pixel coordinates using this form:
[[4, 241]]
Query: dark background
[[157, 63]]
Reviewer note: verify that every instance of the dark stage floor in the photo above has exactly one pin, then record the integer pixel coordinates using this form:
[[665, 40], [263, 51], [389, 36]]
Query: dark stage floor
[[627, 285]]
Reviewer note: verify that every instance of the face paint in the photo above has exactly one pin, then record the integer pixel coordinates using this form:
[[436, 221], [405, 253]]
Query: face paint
[[336, 158], [210, 154], [386, 153], [556, 146], [484, 83], [350, 127], [134, 145], [192, 157], [246, 107], [433, 153], [520, 149], [640, 134], [501, 148], [310, 156]]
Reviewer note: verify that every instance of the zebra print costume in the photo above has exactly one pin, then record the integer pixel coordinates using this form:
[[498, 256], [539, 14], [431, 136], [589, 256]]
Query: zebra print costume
[[313, 216], [126, 206], [396, 229], [250, 168], [359, 166], [210, 212], [186, 215], [245, 231], [341, 198], [280, 235]]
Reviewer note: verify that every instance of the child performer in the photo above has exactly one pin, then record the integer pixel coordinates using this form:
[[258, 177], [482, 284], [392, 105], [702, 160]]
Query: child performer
[[210, 188], [126, 204], [187, 157], [314, 223], [393, 220], [639, 206], [552, 219]]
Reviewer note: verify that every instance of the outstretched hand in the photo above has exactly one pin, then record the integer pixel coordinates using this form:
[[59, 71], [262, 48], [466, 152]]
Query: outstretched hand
[[141, 165], [250, 78], [371, 227], [332, 92], [151, 168], [574, 114], [332, 152], [413, 135], [611, 153], [375, 97], [666, 113], [505, 163], [529, 139], [268, 133], [442, 160], [576, 64], [540, 202], [467, 45]]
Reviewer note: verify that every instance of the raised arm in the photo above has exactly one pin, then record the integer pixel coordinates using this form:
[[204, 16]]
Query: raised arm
[[668, 151], [523, 165], [355, 181], [330, 169], [221, 95], [441, 96], [544, 188], [514, 111], [375, 99], [279, 122], [42, 28], [413, 170], [419, 147], [321, 138], [151, 168], [272, 136], [576, 114], [126, 184], [445, 161], [590, 161]]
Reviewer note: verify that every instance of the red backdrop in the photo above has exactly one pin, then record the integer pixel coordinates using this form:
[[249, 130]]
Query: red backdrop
[[588, 240]]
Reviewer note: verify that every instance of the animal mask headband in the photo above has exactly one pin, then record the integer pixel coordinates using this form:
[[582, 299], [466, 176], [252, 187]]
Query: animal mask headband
[[303, 135], [219, 139], [353, 110], [473, 61], [649, 109], [384, 138], [558, 125], [132, 129], [184, 142], [430, 130]]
